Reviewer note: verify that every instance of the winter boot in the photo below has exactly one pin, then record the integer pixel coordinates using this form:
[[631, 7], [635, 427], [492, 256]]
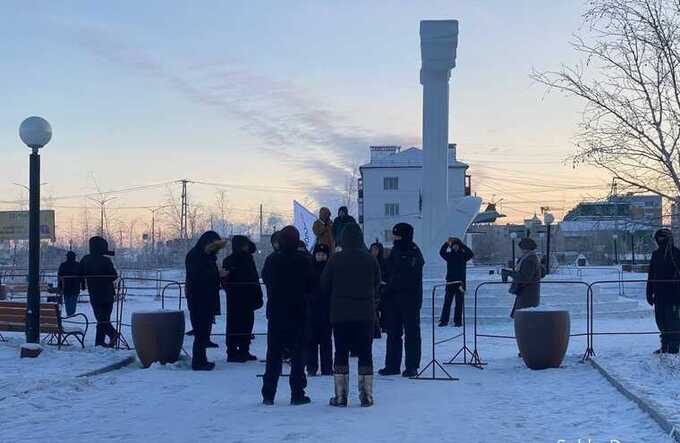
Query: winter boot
[[300, 400], [341, 382], [388, 371], [366, 390]]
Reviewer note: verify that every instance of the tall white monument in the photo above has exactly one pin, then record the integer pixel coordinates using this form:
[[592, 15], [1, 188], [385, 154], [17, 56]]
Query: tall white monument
[[440, 218]]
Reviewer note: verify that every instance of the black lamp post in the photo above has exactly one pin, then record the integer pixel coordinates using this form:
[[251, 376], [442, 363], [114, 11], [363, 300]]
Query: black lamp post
[[35, 132], [632, 247], [548, 218], [616, 249], [513, 236]]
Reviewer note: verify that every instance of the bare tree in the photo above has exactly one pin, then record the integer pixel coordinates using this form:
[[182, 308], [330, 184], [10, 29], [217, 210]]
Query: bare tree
[[630, 84], [349, 197], [172, 209]]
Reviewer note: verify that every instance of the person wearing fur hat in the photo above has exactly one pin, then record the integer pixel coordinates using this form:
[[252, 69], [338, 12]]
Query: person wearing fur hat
[[289, 276], [342, 220], [403, 298], [319, 342], [663, 290], [70, 282], [99, 273], [244, 297], [526, 280], [323, 229]]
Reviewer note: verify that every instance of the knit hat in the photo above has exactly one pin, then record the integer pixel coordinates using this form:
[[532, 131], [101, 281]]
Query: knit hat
[[403, 230], [527, 244]]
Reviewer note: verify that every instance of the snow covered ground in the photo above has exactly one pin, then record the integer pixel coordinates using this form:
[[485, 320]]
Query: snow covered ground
[[41, 400]]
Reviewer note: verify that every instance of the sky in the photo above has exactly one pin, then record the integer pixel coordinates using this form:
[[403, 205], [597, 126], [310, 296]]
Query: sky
[[276, 101]]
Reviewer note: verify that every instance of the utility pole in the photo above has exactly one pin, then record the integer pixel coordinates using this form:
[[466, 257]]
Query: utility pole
[[261, 222], [102, 201], [183, 214]]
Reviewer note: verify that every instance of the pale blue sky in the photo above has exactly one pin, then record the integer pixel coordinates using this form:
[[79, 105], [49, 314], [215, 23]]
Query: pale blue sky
[[271, 93]]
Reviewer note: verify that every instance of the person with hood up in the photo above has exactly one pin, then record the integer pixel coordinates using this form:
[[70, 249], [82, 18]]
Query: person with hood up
[[203, 294], [341, 221], [244, 297], [377, 250], [323, 229], [403, 300], [352, 280], [456, 255], [526, 280], [70, 282], [663, 290], [288, 275], [99, 273], [319, 332]]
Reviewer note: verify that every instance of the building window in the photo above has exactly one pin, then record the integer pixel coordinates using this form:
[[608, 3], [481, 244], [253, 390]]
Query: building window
[[390, 183], [391, 209], [388, 238]]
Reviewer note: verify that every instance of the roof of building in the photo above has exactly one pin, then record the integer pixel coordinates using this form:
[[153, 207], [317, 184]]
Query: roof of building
[[411, 157]]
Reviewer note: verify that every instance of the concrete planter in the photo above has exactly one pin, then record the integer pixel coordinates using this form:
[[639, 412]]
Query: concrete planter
[[542, 337], [158, 336]]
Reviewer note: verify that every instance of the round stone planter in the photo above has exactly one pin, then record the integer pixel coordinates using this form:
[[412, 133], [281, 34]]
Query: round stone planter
[[158, 335], [542, 337]]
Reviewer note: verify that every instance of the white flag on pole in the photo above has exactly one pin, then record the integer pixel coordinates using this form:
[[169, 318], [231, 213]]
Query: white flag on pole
[[303, 219]]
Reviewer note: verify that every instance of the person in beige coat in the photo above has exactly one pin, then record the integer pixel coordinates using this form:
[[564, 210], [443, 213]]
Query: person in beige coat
[[323, 229]]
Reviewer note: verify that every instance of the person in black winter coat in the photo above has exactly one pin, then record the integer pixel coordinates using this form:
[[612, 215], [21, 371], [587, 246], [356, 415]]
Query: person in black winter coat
[[456, 254], [319, 332], [343, 219], [377, 250], [665, 295], [203, 294], [70, 282], [289, 276], [100, 274], [403, 300], [244, 297]]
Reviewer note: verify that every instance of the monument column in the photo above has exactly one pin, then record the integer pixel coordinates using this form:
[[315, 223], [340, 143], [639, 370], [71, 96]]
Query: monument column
[[438, 42]]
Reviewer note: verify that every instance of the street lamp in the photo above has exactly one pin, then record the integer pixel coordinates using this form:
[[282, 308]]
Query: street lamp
[[548, 218], [35, 132], [616, 249], [513, 236], [632, 246]]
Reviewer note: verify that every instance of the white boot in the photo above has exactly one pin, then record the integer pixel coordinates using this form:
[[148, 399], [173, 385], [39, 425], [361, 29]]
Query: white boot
[[341, 382], [366, 390]]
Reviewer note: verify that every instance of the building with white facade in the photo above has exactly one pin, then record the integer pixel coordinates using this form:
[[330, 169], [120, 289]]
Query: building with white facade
[[390, 189]]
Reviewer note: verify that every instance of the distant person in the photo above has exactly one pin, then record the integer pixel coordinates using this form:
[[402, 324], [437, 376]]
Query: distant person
[[319, 332], [526, 280], [352, 279], [342, 220], [244, 297], [323, 229], [456, 255], [100, 274], [377, 250], [663, 290], [203, 294], [288, 275], [403, 300], [70, 282]]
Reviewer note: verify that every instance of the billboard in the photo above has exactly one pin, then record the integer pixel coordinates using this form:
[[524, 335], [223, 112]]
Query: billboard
[[14, 225]]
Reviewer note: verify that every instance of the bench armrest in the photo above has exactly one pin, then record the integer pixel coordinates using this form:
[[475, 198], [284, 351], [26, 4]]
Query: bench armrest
[[79, 314]]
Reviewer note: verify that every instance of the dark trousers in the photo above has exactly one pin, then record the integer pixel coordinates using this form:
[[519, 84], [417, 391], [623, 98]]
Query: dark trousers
[[70, 302], [403, 322], [102, 312], [357, 336], [319, 347], [453, 293], [201, 323], [240, 324], [279, 339], [667, 317]]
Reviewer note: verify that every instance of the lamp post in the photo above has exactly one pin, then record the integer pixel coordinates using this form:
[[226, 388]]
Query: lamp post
[[548, 218], [527, 225], [632, 246], [616, 249], [513, 236], [35, 132]]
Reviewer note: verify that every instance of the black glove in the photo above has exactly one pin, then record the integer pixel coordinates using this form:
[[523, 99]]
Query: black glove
[[650, 299]]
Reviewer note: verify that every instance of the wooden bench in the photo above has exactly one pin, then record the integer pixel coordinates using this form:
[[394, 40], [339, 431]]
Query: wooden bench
[[13, 319]]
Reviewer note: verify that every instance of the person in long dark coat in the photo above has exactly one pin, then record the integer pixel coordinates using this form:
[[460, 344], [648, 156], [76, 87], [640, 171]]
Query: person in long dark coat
[[343, 219], [663, 290], [456, 254], [70, 282], [244, 297], [403, 300], [352, 280], [526, 280], [99, 273], [203, 294], [377, 250], [319, 332], [288, 275]]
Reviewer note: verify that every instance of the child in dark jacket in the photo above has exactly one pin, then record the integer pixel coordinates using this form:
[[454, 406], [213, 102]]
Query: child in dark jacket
[[319, 343]]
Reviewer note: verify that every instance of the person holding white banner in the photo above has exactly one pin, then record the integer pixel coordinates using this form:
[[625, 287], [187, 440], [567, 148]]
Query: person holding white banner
[[303, 220]]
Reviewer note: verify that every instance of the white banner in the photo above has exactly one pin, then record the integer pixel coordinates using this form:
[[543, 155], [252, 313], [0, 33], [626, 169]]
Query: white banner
[[303, 219]]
